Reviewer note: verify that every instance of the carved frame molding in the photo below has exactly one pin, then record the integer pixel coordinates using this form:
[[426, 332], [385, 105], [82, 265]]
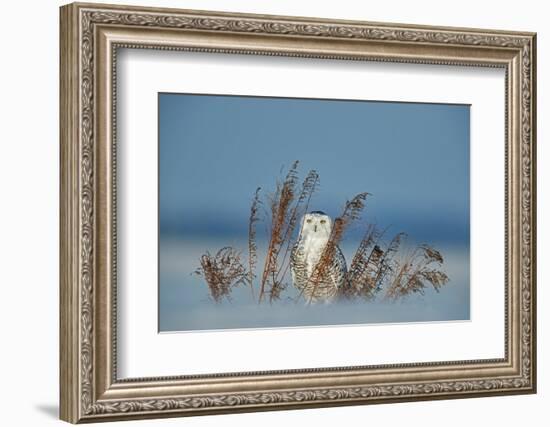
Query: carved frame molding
[[90, 36]]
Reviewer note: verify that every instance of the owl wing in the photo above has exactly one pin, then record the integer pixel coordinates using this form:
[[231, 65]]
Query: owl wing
[[298, 267], [338, 269]]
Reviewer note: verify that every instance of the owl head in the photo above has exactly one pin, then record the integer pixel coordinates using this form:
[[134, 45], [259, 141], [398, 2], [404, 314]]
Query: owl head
[[316, 224]]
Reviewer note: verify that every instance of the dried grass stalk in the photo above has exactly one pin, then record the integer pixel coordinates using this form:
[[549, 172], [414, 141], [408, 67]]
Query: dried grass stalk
[[276, 291], [352, 211], [364, 266], [309, 186], [252, 246], [280, 204], [419, 270], [372, 268], [222, 272], [299, 208], [388, 264]]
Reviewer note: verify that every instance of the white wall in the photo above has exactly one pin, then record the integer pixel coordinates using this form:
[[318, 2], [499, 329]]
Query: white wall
[[29, 170]]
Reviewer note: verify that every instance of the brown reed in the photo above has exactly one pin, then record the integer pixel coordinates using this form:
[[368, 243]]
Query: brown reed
[[352, 211], [280, 203], [364, 266], [419, 270], [309, 186], [222, 272], [252, 246], [374, 266]]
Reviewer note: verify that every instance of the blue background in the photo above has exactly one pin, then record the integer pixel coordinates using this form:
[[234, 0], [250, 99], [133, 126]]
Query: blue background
[[215, 150]]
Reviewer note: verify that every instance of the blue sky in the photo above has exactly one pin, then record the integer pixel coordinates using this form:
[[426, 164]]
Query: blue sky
[[412, 158]]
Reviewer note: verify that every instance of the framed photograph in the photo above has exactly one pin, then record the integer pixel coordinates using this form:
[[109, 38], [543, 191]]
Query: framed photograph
[[266, 212]]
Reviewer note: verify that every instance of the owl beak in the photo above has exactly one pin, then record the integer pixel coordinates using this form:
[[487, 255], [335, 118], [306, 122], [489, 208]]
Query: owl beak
[[315, 228]]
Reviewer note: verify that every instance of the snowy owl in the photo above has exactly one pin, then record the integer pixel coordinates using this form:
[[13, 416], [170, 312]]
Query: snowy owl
[[314, 234]]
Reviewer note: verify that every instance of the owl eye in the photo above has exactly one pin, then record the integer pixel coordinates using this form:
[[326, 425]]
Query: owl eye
[[308, 221], [323, 221]]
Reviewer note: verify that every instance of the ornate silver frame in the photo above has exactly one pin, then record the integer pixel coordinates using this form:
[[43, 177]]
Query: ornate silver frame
[[90, 36]]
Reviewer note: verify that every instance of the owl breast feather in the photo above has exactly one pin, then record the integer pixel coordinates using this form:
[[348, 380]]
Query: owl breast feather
[[303, 263]]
